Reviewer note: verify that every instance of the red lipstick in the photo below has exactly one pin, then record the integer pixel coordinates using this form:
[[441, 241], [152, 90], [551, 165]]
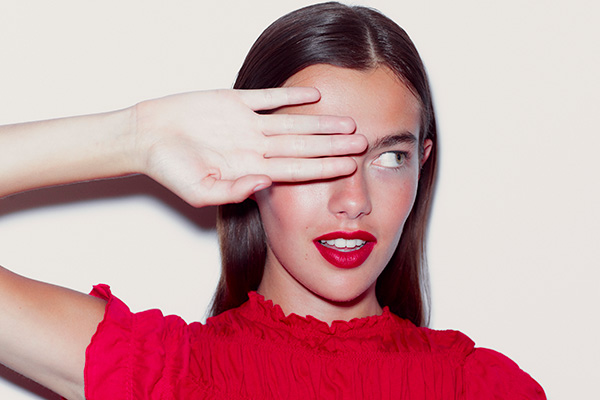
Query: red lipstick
[[344, 254]]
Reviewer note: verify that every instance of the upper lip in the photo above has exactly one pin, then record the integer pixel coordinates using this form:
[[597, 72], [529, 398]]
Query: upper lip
[[362, 235]]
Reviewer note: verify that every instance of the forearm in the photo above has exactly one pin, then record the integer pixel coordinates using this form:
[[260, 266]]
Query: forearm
[[45, 153]]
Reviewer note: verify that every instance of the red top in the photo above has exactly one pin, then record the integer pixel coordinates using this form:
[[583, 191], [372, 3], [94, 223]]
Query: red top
[[256, 352]]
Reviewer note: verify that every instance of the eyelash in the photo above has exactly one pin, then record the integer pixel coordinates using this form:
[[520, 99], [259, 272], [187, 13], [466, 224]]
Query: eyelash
[[401, 156]]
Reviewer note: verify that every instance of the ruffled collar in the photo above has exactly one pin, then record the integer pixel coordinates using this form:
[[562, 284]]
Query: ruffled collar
[[264, 311]]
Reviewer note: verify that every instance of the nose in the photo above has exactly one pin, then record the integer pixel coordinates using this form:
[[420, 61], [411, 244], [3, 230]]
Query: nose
[[349, 196]]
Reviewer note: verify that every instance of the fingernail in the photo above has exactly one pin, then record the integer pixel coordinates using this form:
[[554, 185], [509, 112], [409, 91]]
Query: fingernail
[[260, 187]]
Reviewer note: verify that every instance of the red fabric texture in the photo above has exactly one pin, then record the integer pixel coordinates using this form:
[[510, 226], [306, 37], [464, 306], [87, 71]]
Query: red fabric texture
[[256, 352]]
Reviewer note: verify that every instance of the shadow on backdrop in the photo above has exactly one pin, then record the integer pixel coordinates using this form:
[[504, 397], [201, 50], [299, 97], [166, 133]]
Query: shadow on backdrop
[[8, 375], [138, 185]]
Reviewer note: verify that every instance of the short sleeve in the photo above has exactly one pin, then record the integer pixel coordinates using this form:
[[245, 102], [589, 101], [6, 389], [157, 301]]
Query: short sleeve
[[491, 375], [129, 354]]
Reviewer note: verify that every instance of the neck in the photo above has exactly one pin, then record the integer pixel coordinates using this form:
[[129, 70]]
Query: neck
[[297, 299]]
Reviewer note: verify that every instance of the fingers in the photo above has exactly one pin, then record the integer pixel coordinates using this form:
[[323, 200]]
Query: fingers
[[299, 170], [269, 99], [314, 145], [214, 191], [274, 124]]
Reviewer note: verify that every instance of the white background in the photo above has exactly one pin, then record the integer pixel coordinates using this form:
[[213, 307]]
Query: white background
[[514, 240]]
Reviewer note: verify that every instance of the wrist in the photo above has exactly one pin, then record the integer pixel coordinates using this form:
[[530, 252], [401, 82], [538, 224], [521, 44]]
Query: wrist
[[129, 142], [142, 132], [115, 151]]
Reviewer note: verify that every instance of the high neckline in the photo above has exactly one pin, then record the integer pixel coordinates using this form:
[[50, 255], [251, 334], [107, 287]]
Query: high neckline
[[266, 311]]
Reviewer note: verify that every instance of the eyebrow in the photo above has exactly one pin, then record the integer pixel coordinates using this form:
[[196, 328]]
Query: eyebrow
[[392, 140]]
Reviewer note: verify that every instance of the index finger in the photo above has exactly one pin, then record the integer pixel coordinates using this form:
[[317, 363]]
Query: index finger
[[269, 99]]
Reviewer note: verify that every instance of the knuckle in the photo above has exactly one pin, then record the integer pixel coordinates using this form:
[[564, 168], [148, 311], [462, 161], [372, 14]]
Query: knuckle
[[333, 144], [299, 146], [289, 123], [321, 124], [295, 171], [268, 96]]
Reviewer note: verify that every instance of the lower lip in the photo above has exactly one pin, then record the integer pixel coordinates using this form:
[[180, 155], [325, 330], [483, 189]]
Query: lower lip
[[345, 259]]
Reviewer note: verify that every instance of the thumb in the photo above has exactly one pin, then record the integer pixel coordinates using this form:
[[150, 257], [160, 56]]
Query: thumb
[[219, 191]]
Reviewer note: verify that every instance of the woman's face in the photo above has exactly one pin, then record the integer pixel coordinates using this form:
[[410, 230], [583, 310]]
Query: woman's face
[[328, 241]]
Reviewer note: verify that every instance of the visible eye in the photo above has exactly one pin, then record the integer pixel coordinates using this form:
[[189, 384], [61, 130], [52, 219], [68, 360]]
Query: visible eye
[[391, 159]]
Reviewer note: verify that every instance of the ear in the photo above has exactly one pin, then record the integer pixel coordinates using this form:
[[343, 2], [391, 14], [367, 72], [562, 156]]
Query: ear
[[427, 146]]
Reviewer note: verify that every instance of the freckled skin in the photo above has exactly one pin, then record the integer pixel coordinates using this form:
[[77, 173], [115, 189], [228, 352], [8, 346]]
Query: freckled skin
[[375, 198]]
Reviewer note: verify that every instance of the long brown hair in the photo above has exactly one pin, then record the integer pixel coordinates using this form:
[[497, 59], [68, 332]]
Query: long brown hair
[[350, 37]]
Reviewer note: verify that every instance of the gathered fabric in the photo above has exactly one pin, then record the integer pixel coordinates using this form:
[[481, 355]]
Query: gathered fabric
[[256, 352]]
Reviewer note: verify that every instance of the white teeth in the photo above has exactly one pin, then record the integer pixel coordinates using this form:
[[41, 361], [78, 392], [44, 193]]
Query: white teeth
[[344, 243]]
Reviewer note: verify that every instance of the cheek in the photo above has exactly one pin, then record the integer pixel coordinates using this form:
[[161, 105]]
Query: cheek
[[393, 200], [287, 206]]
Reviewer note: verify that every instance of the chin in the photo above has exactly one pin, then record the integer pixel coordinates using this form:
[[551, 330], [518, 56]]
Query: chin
[[344, 296]]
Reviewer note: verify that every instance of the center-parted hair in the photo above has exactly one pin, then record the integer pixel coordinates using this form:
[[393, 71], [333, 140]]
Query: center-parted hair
[[352, 37]]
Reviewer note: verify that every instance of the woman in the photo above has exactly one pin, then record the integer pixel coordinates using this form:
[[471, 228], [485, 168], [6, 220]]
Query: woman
[[330, 228], [358, 39]]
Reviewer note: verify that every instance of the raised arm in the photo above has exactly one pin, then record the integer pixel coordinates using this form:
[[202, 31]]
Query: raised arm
[[45, 330], [207, 147], [45, 153]]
